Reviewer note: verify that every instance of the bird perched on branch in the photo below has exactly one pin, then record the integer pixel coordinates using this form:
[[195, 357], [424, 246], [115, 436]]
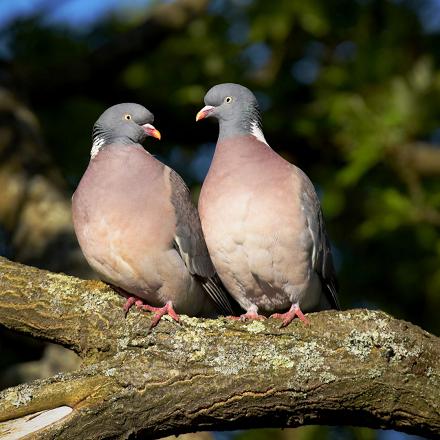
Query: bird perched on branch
[[261, 217], [137, 226]]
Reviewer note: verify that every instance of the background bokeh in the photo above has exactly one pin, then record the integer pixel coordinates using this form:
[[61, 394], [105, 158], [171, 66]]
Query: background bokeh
[[350, 93]]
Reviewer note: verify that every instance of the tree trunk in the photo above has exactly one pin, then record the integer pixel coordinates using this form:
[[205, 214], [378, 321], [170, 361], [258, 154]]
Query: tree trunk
[[357, 367]]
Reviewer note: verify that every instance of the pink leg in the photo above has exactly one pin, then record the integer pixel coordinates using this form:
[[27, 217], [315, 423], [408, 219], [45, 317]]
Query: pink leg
[[288, 317], [129, 303], [167, 309], [252, 313], [131, 299]]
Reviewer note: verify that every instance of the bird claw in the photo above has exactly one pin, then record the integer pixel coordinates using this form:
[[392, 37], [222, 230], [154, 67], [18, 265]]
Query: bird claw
[[288, 317], [247, 316], [131, 300], [167, 309]]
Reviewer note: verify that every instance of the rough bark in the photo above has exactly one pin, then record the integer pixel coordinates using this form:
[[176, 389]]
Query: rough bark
[[356, 367]]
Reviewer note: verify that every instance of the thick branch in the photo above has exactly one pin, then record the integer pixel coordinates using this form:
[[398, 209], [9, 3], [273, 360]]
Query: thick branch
[[356, 367]]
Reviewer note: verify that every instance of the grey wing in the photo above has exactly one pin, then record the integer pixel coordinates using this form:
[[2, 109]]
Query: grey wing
[[190, 244], [322, 255]]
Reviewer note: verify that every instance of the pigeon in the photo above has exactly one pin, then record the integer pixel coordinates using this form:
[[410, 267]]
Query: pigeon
[[261, 218], [137, 226]]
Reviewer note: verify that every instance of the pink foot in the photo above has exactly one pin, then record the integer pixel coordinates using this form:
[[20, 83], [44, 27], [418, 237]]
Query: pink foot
[[131, 299], [167, 309], [247, 316], [129, 303], [288, 317]]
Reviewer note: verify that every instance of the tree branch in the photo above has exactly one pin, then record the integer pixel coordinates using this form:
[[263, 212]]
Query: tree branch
[[356, 367]]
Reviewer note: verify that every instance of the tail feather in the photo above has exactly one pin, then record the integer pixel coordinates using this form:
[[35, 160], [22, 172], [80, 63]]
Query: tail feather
[[221, 297]]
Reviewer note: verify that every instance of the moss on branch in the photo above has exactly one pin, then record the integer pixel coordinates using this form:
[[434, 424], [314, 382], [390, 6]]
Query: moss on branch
[[356, 367]]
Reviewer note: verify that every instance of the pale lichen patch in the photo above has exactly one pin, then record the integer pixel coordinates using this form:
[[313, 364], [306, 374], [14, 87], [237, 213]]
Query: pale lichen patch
[[256, 327], [194, 341], [273, 357], [123, 343], [346, 316], [21, 395], [92, 298], [381, 323], [229, 362], [309, 358], [372, 315], [374, 373], [360, 344], [111, 372], [203, 323], [139, 342], [327, 377], [190, 321]]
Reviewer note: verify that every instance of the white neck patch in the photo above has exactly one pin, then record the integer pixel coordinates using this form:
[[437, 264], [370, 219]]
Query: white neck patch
[[257, 132], [98, 142]]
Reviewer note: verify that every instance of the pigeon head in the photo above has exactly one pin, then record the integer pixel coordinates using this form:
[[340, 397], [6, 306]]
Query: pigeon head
[[123, 123], [236, 109]]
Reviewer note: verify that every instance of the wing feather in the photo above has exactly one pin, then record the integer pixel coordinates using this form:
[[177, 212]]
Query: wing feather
[[322, 255], [190, 243]]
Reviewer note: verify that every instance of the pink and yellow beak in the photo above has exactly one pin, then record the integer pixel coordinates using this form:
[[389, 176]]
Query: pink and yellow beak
[[151, 131], [205, 112]]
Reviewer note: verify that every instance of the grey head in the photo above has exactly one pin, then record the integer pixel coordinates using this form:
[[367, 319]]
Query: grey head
[[236, 109], [126, 123]]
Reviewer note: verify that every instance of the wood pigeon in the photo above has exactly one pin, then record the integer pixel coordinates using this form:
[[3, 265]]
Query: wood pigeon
[[261, 217], [137, 226]]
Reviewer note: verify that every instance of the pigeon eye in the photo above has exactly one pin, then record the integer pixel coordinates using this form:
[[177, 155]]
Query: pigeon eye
[[127, 117], [228, 99]]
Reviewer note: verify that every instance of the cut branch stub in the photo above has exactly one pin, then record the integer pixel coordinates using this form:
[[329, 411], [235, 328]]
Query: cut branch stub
[[355, 367]]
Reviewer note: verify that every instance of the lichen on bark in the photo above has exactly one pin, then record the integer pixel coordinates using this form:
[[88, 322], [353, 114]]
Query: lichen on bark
[[356, 367]]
